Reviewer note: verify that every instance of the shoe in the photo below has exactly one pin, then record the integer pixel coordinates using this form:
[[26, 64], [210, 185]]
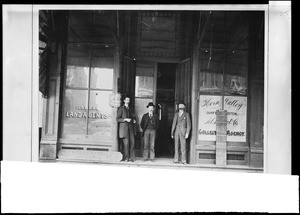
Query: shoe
[[145, 160], [175, 161], [183, 162], [152, 160], [126, 160], [132, 160]]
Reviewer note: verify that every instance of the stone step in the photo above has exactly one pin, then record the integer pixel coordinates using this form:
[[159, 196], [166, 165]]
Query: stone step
[[99, 156]]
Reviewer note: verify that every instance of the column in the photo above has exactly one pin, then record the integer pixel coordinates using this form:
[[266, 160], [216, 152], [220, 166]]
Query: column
[[221, 128]]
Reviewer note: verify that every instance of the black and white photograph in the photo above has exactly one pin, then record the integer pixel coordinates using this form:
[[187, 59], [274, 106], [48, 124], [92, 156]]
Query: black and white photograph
[[127, 96]]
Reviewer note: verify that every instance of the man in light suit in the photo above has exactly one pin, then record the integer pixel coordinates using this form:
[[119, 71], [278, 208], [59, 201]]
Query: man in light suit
[[149, 125], [126, 120], [181, 128]]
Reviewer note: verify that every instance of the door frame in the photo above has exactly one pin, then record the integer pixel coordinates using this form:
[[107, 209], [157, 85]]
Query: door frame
[[155, 61]]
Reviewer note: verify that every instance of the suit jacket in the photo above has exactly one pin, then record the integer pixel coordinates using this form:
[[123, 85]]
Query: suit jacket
[[186, 128], [146, 119], [125, 127]]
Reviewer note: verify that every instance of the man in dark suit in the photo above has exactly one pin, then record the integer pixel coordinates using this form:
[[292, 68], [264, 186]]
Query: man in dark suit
[[149, 125], [180, 130], [126, 120]]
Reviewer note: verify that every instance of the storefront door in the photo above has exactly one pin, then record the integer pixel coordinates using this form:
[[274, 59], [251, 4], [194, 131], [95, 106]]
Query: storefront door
[[145, 88], [155, 82]]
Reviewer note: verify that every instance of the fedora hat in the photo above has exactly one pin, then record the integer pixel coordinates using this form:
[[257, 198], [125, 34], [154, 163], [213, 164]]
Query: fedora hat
[[150, 104]]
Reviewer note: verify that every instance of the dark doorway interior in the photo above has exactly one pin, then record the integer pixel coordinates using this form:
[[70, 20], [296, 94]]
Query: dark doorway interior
[[165, 99]]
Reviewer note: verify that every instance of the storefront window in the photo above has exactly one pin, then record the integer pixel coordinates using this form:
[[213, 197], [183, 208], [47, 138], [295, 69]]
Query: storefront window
[[89, 75], [224, 55], [89, 83], [223, 74]]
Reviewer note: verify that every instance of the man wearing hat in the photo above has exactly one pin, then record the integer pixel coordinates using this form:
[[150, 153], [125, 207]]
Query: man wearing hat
[[126, 120], [149, 125], [180, 130]]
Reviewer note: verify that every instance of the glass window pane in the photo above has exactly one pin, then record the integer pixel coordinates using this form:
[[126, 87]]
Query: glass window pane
[[102, 78], [144, 79], [77, 65], [145, 69], [102, 70], [211, 68], [237, 40], [80, 26], [235, 82], [144, 86], [213, 35], [100, 113], [104, 26], [75, 112]]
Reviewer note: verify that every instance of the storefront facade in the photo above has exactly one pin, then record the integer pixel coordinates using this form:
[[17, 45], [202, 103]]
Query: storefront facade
[[211, 60]]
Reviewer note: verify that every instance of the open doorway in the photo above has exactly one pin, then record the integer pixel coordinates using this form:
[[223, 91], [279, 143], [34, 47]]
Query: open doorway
[[165, 100]]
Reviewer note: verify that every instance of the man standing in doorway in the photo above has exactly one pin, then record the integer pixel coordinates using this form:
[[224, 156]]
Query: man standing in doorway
[[149, 125], [126, 121], [180, 130]]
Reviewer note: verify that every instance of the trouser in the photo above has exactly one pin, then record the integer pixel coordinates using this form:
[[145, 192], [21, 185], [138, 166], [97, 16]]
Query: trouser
[[128, 149], [149, 141], [179, 137]]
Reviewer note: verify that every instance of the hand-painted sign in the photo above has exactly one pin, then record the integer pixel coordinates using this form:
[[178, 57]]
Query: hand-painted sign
[[236, 117]]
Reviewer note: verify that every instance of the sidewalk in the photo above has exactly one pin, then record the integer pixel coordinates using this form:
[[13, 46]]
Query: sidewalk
[[168, 163]]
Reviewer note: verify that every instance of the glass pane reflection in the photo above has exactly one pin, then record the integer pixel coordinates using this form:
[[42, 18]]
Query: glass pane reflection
[[102, 67], [75, 112], [77, 65], [235, 82], [144, 86], [77, 76], [100, 113], [102, 78]]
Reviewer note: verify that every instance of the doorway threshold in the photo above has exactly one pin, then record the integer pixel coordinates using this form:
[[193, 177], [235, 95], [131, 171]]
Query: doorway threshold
[[168, 163]]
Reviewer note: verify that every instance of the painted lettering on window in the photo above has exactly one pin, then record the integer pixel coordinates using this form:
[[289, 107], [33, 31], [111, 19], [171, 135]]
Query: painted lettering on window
[[93, 115]]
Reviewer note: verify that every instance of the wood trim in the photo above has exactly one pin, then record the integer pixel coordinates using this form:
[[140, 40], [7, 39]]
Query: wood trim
[[155, 83], [50, 113], [85, 142], [183, 61], [158, 60], [205, 147], [257, 150], [238, 148]]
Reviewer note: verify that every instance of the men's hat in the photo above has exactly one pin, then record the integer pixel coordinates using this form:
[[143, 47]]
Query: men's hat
[[126, 95], [150, 104], [181, 102]]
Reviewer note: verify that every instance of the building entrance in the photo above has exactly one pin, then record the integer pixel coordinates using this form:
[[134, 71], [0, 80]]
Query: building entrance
[[165, 100]]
